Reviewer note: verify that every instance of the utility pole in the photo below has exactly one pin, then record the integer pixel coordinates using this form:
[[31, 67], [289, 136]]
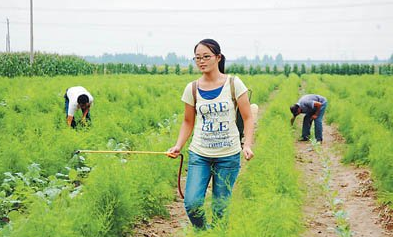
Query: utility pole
[[31, 34], [8, 41]]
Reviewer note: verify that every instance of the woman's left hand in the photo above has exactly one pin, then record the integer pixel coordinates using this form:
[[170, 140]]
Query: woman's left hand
[[248, 154]]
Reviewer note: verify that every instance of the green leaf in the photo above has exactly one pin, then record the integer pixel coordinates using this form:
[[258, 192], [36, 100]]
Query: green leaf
[[14, 215], [73, 174]]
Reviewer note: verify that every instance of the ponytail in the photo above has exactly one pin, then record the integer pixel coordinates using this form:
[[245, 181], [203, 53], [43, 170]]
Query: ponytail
[[221, 64]]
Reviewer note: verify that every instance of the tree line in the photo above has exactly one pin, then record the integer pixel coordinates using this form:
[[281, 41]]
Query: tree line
[[17, 64], [172, 59]]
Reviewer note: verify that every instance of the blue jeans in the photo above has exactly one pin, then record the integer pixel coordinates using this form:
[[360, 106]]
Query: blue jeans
[[224, 171], [307, 121]]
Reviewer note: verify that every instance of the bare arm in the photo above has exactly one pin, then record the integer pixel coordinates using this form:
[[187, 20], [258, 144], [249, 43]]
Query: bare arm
[[86, 111], [245, 111], [69, 120], [185, 130]]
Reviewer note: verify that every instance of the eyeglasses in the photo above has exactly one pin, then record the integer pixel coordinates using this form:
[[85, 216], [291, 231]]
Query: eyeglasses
[[204, 57]]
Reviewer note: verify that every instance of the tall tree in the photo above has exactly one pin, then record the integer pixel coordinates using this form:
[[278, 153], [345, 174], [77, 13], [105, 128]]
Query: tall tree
[[303, 69], [275, 70], [258, 69], [287, 69], [372, 69], [296, 69], [190, 69], [313, 68], [177, 69], [154, 69], [267, 69], [166, 68], [251, 70]]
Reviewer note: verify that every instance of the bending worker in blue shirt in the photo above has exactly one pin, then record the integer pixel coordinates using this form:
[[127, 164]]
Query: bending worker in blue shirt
[[313, 106]]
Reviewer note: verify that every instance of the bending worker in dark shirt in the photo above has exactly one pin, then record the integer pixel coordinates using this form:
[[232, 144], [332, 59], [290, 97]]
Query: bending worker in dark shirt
[[313, 106]]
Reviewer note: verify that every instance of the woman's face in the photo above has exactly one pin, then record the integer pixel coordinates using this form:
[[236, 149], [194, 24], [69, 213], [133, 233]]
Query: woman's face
[[205, 59]]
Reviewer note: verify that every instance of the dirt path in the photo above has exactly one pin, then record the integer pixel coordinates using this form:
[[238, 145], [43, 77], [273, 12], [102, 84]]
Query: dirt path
[[349, 185], [172, 226], [178, 220], [333, 188]]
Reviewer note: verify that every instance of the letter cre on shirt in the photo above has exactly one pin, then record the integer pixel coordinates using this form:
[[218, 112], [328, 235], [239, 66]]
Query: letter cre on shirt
[[215, 130]]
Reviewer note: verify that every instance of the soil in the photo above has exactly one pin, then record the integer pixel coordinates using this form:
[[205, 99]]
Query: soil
[[158, 226], [353, 186], [178, 220]]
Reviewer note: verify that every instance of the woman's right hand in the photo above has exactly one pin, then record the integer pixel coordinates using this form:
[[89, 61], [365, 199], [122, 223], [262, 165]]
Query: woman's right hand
[[174, 152]]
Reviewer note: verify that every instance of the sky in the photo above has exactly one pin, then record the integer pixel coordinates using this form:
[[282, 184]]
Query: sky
[[298, 29]]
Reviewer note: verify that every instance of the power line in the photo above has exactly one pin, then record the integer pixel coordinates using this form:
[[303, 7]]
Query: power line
[[82, 25], [217, 10]]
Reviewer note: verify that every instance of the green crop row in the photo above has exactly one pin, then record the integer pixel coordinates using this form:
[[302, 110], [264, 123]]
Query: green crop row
[[261, 86], [267, 200], [386, 69], [111, 193], [119, 192], [372, 94], [369, 142], [32, 117], [18, 64], [138, 112]]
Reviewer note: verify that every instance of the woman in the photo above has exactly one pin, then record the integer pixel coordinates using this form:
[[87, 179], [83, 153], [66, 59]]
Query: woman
[[215, 147]]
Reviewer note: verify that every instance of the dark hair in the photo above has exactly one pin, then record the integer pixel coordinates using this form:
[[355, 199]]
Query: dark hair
[[83, 99], [216, 50], [295, 110]]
